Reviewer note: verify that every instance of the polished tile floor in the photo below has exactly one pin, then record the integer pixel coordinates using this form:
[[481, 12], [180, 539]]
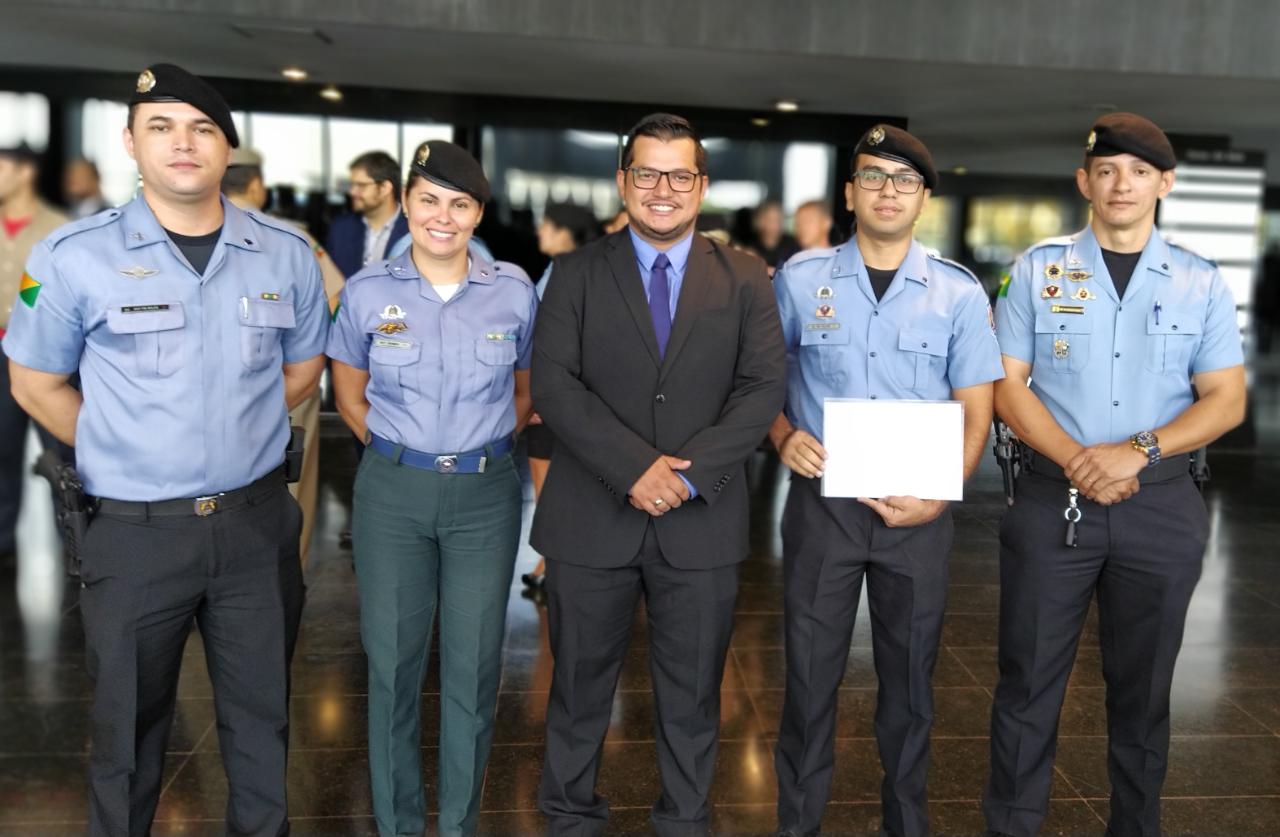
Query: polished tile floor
[[1224, 775]]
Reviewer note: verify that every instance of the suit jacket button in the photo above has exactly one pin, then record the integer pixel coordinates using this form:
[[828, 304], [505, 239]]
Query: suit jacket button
[[660, 398]]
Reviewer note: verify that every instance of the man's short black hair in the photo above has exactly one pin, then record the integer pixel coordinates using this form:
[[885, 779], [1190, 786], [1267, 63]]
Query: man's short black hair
[[236, 179], [665, 127], [380, 166]]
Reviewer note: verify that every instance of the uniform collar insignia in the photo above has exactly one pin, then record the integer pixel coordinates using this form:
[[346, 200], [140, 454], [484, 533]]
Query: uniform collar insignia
[[138, 272]]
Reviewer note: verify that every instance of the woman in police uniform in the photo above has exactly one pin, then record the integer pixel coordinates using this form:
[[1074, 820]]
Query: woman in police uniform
[[431, 354]]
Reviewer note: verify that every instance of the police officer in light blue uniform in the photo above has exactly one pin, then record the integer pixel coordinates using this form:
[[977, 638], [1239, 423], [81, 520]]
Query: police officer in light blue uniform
[[431, 354], [876, 318], [1113, 326], [194, 326]]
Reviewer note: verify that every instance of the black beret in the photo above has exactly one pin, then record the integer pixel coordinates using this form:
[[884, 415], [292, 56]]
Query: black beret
[[896, 144], [20, 153], [1128, 133], [170, 83], [452, 167]]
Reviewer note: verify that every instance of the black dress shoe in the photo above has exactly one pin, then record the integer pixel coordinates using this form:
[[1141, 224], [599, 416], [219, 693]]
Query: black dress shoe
[[534, 582]]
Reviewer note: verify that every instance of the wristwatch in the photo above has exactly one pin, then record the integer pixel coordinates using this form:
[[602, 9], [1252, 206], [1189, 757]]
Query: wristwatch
[[1147, 442]]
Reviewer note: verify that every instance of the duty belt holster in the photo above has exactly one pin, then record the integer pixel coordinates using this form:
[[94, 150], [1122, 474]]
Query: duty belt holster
[[293, 454], [74, 508]]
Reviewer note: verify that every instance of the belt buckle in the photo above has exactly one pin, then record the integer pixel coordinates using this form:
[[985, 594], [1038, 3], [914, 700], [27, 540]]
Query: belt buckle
[[205, 506], [446, 464]]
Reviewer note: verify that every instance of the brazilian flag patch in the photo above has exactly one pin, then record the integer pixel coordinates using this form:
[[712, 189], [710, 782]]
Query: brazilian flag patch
[[1004, 287], [29, 290]]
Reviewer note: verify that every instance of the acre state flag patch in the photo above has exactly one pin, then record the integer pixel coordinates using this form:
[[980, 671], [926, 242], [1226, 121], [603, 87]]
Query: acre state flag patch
[[29, 290]]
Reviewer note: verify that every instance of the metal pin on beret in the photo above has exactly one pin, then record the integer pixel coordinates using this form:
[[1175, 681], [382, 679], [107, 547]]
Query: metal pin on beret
[[892, 143], [171, 83], [1128, 133], [452, 167]]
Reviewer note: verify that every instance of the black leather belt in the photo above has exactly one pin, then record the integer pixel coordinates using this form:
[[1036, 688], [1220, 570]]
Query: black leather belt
[[1034, 462], [251, 494]]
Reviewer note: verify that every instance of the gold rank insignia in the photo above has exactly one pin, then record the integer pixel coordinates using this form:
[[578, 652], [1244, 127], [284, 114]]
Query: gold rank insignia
[[1089, 143], [146, 81], [394, 327], [876, 136], [1051, 292], [1084, 294], [825, 312], [424, 151], [1053, 272], [271, 296], [1078, 275], [1061, 348], [826, 292]]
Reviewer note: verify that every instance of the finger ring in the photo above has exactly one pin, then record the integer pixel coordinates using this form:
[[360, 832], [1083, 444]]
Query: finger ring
[[659, 501]]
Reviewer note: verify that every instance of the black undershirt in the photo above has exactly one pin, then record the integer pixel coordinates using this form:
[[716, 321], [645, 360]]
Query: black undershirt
[[197, 248], [1120, 266], [880, 280]]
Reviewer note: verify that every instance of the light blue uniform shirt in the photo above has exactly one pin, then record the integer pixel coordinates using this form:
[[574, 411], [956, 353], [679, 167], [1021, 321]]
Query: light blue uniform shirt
[[678, 256], [931, 333], [181, 374], [1120, 366], [441, 374]]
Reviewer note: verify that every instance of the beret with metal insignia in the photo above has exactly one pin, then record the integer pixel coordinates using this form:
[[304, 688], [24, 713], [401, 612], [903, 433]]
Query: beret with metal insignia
[[171, 83], [895, 144], [1128, 133], [452, 167]]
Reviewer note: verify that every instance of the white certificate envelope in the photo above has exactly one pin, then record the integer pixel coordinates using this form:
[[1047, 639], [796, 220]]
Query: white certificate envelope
[[885, 448]]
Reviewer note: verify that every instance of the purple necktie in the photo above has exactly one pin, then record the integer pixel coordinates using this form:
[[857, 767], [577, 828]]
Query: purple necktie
[[660, 302]]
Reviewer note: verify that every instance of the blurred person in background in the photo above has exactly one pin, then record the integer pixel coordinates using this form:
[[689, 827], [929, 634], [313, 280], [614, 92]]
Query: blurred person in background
[[362, 236], [82, 188], [812, 224], [769, 239], [565, 227]]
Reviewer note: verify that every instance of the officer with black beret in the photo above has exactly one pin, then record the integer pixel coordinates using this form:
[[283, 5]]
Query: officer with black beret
[[194, 325], [431, 356], [1121, 354], [878, 317]]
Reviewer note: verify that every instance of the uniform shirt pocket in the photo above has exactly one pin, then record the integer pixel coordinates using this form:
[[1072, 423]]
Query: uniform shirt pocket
[[827, 346], [922, 358], [495, 366], [1171, 339], [393, 369], [157, 332], [262, 325], [1062, 342]]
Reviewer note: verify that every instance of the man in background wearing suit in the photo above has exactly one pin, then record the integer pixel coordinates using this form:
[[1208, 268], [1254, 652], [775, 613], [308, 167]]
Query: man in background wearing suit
[[375, 221], [659, 364]]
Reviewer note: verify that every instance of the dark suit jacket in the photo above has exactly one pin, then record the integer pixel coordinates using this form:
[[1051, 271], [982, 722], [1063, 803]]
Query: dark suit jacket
[[614, 406], [345, 242]]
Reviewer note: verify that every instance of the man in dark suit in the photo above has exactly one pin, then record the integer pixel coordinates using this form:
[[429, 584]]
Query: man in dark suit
[[375, 222], [659, 364]]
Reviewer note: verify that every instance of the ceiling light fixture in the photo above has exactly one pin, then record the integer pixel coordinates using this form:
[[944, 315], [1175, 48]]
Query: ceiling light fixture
[[787, 105], [760, 122], [331, 93], [294, 73]]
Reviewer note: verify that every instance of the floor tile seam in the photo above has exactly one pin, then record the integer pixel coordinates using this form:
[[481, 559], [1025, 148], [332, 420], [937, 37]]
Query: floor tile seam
[[187, 760], [951, 651], [1229, 699]]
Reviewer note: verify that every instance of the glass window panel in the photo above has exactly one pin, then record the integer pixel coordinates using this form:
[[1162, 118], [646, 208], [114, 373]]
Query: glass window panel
[[24, 117], [102, 125], [291, 149]]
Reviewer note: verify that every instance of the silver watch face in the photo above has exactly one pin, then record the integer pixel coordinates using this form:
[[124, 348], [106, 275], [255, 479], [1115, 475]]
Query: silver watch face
[[1146, 439]]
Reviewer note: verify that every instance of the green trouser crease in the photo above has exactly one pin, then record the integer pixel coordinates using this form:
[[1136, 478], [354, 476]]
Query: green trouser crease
[[424, 539]]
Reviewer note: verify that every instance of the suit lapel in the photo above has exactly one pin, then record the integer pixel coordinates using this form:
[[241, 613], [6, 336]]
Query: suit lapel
[[622, 261], [693, 290]]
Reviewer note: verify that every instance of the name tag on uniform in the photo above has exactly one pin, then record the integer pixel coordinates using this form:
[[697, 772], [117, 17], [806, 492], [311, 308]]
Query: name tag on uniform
[[499, 336], [1067, 309], [390, 343], [821, 326], [140, 309]]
